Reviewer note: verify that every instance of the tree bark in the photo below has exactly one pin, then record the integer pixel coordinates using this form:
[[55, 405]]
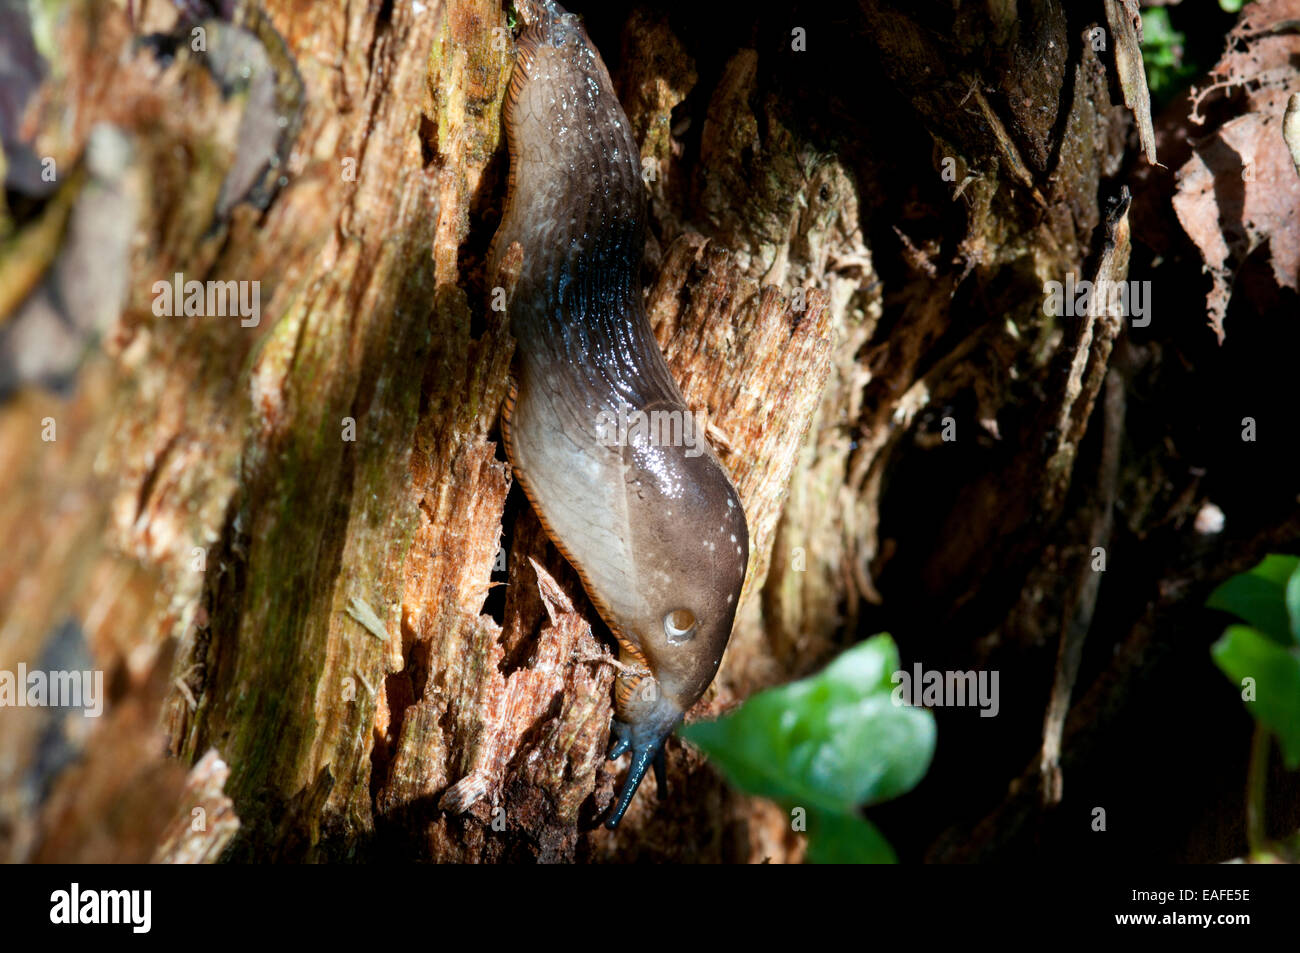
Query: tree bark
[[327, 616]]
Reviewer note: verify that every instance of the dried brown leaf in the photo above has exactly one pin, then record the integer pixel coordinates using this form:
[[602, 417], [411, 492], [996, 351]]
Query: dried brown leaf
[[1239, 190]]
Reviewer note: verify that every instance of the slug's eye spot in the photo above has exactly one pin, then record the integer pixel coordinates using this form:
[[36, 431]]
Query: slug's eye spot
[[680, 625]]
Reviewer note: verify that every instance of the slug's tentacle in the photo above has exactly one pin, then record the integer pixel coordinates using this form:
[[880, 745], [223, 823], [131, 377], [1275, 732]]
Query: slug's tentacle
[[646, 752], [618, 746], [611, 458], [642, 758]]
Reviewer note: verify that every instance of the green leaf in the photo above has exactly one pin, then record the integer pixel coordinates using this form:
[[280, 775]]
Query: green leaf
[[1276, 568], [1244, 653], [846, 839], [1261, 596], [1293, 604], [1163, 55], [834, 741]]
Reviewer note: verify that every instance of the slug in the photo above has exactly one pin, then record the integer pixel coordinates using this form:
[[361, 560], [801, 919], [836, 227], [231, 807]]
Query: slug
[[653, 526]]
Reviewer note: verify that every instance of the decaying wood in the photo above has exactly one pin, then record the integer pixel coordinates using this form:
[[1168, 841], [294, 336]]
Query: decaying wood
[[1126, 26], [1082, 603], [201, 834], [1291, 129], [329, 618], [1084, 374]]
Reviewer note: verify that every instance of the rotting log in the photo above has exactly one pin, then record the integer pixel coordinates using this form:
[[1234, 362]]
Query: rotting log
[[283, 541]]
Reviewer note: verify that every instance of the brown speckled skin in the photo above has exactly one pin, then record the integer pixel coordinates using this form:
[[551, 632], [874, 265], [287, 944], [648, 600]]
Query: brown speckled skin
[[649, 528]]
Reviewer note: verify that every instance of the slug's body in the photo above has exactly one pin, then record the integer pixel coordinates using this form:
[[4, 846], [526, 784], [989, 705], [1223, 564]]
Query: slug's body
[[654, 528]]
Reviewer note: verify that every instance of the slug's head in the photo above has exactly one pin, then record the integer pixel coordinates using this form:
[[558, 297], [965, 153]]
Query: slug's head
[[690, 544]]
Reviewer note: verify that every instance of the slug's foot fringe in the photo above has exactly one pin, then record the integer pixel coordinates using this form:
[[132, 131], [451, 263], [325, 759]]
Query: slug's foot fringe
[[629, 683]]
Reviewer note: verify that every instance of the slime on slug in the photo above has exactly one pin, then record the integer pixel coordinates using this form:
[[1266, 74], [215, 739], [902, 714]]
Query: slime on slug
[[655, 530]]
